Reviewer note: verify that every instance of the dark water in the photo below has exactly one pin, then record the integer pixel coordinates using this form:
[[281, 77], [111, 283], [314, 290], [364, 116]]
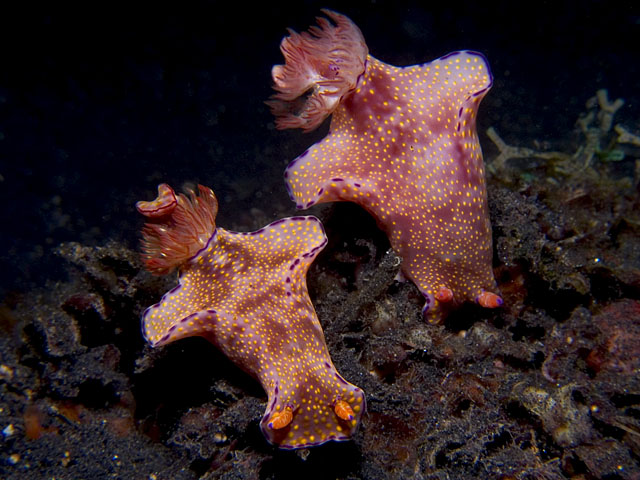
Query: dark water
[[100, 103]]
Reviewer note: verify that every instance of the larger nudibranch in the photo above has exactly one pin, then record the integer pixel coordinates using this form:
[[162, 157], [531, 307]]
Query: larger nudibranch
[[402, 143], [247, 294]]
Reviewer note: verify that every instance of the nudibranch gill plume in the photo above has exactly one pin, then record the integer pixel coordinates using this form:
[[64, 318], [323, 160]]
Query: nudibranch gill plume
[[402, 143], [247, 294]]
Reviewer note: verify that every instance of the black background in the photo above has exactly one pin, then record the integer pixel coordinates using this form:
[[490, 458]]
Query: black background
[[101, 102]]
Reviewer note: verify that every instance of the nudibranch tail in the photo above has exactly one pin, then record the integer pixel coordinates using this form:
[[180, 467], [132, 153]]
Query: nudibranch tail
[[178, 227], [321, 67]]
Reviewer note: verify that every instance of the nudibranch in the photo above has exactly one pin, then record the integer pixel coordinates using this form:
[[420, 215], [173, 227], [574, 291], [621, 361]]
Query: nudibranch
[[402, 143], [247, 294]]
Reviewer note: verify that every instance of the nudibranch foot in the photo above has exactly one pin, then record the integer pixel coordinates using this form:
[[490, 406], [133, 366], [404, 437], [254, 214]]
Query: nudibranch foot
[[321, 66], [403, 145], [247, 294]]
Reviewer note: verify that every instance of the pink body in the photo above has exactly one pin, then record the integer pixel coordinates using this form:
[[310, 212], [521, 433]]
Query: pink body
[[403, 145]]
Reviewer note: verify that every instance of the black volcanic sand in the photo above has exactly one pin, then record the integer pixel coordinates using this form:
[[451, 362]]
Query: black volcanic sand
[[546, 387]]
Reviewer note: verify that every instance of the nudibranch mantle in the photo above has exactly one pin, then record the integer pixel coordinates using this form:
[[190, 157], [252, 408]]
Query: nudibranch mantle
[[246, 293], [402, 143]]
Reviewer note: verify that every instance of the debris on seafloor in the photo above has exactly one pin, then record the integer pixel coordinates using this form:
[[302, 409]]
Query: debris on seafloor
[[598, 140]]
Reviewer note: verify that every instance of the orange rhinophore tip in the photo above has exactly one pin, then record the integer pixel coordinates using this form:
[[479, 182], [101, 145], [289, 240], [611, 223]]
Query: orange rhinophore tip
[[444, 295], [489, 300], [163, 205], [343, 410], [322, 66], [281, 419], [178, 227]]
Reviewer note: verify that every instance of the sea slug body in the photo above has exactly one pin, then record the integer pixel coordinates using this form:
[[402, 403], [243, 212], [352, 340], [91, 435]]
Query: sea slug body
[[247, 294], [402, 144]]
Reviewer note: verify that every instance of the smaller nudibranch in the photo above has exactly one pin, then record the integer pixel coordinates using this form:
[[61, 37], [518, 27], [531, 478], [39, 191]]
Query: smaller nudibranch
[[247, 294], [402, 143]]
